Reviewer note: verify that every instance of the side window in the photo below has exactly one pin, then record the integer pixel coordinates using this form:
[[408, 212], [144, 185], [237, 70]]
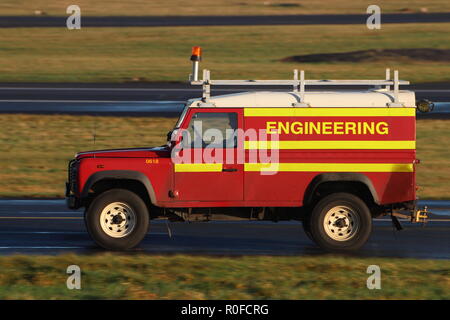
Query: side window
[[211, 129]]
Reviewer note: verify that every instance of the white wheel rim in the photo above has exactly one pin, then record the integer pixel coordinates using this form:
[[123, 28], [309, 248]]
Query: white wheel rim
[[117, 220], [341, 223]]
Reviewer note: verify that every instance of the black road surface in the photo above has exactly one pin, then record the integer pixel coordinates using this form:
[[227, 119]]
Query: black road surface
[[166, 91], [161, 21], [47, 227], [145, 99]]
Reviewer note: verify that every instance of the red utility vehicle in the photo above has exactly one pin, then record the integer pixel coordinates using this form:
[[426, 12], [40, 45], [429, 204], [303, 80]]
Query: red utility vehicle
[[332, 159]]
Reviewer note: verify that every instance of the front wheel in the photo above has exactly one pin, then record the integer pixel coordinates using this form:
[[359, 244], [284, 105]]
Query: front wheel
[[340, 222], [117, 219]]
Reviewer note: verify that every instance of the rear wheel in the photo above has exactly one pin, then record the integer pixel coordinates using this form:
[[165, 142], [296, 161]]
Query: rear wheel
[[340, 222], [117, 219]]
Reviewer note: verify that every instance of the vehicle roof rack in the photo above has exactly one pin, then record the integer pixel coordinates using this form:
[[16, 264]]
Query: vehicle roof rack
[[298, 82]]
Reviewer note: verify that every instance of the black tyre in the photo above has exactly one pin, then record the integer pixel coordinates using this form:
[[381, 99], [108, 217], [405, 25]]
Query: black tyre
[[117, 219], [340, 222]]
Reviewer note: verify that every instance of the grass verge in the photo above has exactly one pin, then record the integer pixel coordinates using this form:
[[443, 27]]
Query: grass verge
[[253, 52], [36, 149], [218, 7], [109, 276]]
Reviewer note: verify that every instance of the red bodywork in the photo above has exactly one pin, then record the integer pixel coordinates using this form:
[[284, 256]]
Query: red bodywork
[[240, 187]]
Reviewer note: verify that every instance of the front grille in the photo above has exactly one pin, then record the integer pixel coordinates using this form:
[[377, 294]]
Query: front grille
[[72, 175]]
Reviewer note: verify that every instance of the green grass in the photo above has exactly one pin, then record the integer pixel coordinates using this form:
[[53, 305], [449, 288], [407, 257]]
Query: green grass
[[217, 7], [36, 149], [162, 54], [109, 276], [432, 149]]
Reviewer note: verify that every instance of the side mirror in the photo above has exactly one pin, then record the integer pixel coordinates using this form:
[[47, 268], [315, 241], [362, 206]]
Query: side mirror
[[169, 135], [174, 137], [425, 105]]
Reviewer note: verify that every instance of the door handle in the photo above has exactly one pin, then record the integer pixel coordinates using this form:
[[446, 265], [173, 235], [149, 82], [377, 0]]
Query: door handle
[[229, 170]]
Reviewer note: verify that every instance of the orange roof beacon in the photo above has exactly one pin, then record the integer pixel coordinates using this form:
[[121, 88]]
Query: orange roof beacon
[[331, 159]]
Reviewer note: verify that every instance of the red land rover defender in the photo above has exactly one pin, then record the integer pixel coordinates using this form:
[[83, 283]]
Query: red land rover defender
[[333, 160]]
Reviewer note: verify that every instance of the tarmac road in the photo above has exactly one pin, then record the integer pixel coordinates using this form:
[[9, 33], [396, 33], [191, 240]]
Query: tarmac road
[[437, 92], [144, 99], [174, 21], [48, 227]]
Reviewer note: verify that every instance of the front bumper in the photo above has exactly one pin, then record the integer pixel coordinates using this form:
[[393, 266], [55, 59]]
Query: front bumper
[[72, 201]]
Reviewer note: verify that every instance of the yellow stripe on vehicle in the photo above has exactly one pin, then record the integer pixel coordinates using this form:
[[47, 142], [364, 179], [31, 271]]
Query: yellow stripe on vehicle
[[320, 144], [329, 112], [329, 167], [198, 167]]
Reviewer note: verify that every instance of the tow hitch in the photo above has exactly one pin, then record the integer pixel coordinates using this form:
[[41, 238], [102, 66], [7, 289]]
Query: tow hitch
[[417, 216], [420, 215]]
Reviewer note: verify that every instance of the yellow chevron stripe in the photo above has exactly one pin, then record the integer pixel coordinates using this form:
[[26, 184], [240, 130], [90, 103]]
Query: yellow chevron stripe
[[319, 144], [198, 167], [329, 112], [330, 167]]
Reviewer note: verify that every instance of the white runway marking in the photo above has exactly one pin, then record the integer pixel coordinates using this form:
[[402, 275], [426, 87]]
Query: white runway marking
[[67, 232], [39, 218], [42, 232], [42, 247], [102, 89], [32, 202], [95, 101], [47, 212], [405, 220]]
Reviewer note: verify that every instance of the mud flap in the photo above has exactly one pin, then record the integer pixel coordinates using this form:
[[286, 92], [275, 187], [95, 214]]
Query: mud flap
[[396, 223]]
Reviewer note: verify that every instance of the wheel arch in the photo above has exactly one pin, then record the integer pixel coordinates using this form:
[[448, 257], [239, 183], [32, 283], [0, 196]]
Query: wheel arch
[[346, 178], [116, 176]]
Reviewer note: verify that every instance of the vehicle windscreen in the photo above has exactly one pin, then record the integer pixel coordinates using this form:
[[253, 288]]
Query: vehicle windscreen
[[183, 114]]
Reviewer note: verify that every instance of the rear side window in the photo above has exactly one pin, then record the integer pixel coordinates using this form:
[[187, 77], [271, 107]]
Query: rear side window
[[211, 129]]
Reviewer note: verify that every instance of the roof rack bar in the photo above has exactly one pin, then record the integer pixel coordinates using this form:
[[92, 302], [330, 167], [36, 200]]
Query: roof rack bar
[[299, 84], [396, 86], [388, 77], [302, 86], [299, 89], [295, 82], [296, 87], [396, 102], [206, 86]]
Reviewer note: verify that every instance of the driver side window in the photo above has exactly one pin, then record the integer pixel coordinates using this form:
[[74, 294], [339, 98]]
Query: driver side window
[[211, 129]]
